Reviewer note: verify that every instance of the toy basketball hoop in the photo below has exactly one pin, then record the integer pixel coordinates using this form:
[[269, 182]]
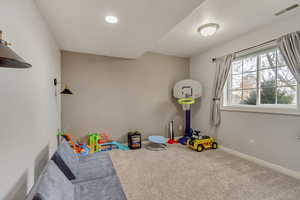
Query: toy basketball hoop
[[186, 101], [187, 91]]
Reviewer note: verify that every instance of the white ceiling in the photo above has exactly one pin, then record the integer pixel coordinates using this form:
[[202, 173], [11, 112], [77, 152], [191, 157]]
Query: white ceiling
[[164, 26], [236, 17], [78, 25]]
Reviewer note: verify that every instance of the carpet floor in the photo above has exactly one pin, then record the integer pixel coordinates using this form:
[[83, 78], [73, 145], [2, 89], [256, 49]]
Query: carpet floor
[[180, 173]]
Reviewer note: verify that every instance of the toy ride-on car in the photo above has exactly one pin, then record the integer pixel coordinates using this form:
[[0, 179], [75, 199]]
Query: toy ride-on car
[[201, 142]]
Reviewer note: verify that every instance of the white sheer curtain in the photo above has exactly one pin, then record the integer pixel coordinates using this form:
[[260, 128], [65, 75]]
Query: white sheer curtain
[[223, 69], [289, 46]]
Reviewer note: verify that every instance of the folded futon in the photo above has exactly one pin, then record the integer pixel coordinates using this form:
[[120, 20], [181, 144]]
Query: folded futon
[[68, 176]]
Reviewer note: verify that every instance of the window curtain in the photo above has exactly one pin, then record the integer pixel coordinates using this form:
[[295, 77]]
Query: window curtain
[[223, 69], [289, 46]]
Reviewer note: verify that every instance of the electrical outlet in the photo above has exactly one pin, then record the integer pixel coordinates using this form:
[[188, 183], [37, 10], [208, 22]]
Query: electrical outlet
[[252, 141]]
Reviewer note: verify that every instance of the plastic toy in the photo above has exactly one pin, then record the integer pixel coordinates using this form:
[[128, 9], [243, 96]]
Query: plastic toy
[[199, 143], [187, 91], [113, 144], [171, 133], [157, 143], [86, 150], [103, 138], [100, 142], [95, 139], [78, 148], [93, 142]]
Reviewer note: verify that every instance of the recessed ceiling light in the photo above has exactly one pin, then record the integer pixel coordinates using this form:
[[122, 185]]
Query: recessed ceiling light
[[208, 29], [111, 19]]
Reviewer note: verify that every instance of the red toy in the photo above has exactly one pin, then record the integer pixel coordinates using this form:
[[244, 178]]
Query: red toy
[[172, 141], [104, 138], [171, 130]]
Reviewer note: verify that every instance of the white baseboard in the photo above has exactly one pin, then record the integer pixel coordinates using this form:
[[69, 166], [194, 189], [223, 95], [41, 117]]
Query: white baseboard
[[264, 163]]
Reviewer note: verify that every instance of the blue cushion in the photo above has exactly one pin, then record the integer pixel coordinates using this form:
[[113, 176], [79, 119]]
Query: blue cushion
[[37, 197], [62, 166], [54, 185], [69, 157], [108, 188], [95, 156], [95, 167]]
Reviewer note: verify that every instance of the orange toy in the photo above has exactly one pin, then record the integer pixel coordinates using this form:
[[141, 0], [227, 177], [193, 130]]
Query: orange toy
[[78, 148], [104, 138]]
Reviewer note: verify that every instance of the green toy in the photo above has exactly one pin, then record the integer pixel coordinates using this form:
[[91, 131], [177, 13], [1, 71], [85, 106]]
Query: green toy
[[93, 142]]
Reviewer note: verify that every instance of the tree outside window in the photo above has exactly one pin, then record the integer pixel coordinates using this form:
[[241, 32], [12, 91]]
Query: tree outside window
[[261, 79]]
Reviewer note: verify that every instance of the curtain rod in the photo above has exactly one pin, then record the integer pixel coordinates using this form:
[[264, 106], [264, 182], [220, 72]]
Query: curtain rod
[[249, 48]]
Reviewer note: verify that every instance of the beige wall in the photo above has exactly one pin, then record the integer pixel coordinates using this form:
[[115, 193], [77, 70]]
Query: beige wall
[[271, 137], [29, 116], [117, 95]]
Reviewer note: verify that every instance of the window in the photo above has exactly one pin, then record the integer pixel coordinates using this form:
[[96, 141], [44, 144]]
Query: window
[[261, 79]]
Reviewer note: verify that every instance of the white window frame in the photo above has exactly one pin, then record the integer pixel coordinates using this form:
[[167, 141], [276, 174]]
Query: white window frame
[[261, 108]]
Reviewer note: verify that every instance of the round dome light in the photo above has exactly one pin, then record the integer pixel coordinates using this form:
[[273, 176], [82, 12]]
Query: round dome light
[[111, 19], [208, 29]]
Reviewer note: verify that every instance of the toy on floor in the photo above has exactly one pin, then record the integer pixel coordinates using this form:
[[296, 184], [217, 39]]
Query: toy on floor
[[187, 91], [113, 144], [171, 133], [200, 142], [134, 140], [77, 147], [157, 143], [101, 142], [103, 138], [95, 139]]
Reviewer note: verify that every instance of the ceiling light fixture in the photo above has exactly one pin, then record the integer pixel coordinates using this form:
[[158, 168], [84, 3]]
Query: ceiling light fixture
[[208, 29], [111, 19]]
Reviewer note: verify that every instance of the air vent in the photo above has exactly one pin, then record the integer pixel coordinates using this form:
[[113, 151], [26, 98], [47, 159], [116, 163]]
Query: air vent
[[287, 9]]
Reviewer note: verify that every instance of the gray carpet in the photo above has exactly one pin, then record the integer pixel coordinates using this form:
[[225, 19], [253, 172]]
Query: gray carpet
[[180, 173]]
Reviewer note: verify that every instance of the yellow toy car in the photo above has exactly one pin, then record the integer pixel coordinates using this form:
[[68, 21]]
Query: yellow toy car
[[199, 143]]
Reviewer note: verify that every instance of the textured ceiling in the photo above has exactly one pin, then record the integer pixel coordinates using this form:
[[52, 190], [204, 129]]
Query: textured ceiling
[[236, 17], [79, 25]]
